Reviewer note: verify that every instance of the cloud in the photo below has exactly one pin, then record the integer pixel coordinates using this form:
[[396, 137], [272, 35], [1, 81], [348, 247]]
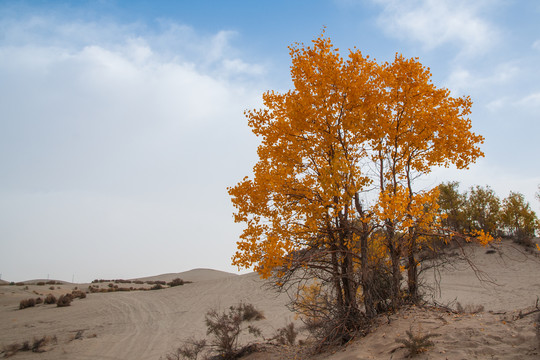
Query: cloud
[[536, 45], [531, 100], [435, 23], [121, 140], [462, 81]]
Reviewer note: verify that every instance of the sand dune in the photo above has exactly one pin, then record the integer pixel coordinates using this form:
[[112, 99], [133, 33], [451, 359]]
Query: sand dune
[[147, 324], [195, 275]]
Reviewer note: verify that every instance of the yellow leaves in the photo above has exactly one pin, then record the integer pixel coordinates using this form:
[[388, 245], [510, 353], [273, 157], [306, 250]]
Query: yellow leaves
[[480, 237], [310, 298], [406, 210], [537, 247], [347, 124]]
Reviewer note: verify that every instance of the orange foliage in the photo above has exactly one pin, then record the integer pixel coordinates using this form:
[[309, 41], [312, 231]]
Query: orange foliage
[[349, 125]]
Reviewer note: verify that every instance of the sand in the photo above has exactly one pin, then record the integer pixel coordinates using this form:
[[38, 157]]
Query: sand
[[148, 324]]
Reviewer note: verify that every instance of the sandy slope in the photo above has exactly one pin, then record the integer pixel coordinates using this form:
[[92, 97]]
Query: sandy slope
[[145, 325], [132, 325]]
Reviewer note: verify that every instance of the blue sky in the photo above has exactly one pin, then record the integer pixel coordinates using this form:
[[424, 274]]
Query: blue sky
[[121, 122]]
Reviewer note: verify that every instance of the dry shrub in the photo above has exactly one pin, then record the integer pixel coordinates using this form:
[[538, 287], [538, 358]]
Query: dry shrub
[[286, 335], [37, 345], [225, 328], [64, 300], [50, 299], [26, 303], [469, 308], [40, 283], [39, 301], [176, 282], [416, 343], [191, 350], [78, 294], [156, 287]]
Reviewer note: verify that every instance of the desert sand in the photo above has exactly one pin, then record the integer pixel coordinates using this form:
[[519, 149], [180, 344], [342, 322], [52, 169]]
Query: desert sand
[[148, 324]]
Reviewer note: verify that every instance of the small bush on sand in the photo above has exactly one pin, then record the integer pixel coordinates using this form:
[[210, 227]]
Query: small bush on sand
[[36, 346], [176, 282], [416, 343], [469, 309], [286, 335], [156, 287], [225, 328], [39, 301], [50, 299], [27, 303], [190, 350], [64, 300], [78, 294]]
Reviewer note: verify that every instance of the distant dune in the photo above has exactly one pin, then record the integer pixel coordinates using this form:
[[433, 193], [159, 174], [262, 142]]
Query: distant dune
[[147, 324], [191, 275]]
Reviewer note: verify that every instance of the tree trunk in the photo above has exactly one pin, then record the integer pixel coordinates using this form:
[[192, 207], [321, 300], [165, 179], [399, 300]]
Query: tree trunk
[[395, 256], [337, 282], [396, 277], [412, 272], [364, 265], [366, 279]]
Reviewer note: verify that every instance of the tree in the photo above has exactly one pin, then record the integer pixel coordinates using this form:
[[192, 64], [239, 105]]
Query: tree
[[518, 218], [348, 128], [482, 209], [452, 204], [416, 126]]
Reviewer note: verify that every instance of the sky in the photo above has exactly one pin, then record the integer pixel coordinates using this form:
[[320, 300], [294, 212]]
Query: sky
[[121, 122]]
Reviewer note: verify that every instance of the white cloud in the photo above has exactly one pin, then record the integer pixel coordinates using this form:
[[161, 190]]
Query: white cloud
[[435, 23], [461, 81], [497, 104], [532, 100], [536, 45], [127, 144]]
